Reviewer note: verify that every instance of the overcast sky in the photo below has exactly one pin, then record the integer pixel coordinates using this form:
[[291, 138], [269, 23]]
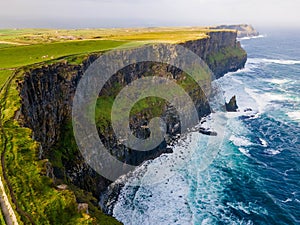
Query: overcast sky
[[132, 13]]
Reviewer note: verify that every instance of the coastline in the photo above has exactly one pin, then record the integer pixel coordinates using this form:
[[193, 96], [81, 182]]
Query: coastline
[[222, 52]]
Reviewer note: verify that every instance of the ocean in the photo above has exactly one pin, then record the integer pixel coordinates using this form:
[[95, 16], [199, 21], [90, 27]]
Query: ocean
[[254, 177]]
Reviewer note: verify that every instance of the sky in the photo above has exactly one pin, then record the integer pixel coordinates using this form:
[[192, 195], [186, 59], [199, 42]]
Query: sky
[[147, 13]]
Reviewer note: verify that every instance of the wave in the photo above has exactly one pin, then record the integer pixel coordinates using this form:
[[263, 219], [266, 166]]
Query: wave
[[253, 37], [273, 61], [263, 142], [154, 202], [245, 152], [272, 151], [265, 100], [277, 81], [240, 141]]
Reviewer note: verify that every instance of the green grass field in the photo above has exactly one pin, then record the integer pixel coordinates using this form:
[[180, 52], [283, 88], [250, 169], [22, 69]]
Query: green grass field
[[170, 34], [20, 47]]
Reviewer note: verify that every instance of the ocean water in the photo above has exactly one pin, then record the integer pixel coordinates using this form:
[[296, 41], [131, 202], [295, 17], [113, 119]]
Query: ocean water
[[255, 176]]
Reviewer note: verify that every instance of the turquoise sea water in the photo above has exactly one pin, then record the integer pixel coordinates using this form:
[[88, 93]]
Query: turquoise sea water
[[255, 177]]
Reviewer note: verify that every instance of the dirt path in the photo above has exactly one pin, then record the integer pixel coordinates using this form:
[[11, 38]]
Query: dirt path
[[6, 209]]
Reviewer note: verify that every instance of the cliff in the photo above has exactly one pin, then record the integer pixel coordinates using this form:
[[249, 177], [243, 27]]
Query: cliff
[[47, 92], [243, 30], [220, 51]]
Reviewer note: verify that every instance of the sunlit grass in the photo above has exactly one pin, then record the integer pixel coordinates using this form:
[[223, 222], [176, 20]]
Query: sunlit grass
[[169, 34], [4, 74], [25, 55]]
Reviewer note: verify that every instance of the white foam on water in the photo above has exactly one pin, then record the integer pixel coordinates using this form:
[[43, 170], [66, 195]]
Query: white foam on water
[[275, 97], [287, 200], [272, 151], [294, 115], [248, 208], [162, 196], [240, 141], [263, 142], [206, 222], [260, 103], [253, 37], [251, 65], [277, 81], [272, 61], [164, 203], [246, 69], [245, 152], [282, 61], [266, 99]]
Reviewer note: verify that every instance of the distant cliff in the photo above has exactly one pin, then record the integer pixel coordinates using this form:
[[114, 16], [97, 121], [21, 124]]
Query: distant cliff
[[243, 30], [47, 92]]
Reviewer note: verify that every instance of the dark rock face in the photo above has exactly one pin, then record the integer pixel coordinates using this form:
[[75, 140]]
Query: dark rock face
[[220, 51], [47, 94], [231, 106]]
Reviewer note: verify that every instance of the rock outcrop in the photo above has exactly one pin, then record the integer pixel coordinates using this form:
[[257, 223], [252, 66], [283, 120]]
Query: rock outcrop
[[47, 93], [231, 106]]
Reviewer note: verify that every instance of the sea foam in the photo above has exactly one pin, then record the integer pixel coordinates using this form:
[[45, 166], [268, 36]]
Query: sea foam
[[253, 37], [274, 61]]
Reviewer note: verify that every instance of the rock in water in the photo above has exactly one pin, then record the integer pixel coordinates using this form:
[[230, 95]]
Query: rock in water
[[231, 106], [207, 132]]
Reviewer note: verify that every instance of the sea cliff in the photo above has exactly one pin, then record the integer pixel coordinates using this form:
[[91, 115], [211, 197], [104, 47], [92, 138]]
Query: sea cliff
[[47, 92]]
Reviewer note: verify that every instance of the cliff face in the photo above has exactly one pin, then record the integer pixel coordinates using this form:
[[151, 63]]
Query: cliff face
[[220, 51], [47, 94]]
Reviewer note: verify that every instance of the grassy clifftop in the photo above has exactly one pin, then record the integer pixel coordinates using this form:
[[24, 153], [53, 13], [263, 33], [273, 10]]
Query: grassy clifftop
[[168, 34]]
